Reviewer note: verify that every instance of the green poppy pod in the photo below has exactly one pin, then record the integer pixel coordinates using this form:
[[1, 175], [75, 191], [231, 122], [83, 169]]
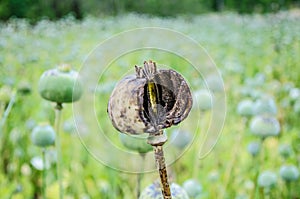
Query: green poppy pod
[[245, 108], [285, 150], [153, 191], [214, 83], [267, 179], [5, 94], [38, 164], [180, 138], [264, 126], [136, 143], [24, 88], [296, 106], [204, 99], [253, 148], [69, 126], [61, 85], [192, 187], [265, 106], [43, 135], [294, 93], [213, 176], [289, 173]]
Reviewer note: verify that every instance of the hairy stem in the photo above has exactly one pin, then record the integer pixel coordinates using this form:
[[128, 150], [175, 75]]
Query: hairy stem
[[58, 109]]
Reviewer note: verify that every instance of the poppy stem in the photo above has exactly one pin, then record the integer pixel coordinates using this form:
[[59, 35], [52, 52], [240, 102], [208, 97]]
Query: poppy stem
[[44, 173], [7, 111], [140, 175], [157, 141], [58, 109], [289, 189]]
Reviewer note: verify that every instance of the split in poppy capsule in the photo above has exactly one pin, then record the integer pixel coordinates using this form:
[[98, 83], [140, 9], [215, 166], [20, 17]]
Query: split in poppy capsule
[[149, 101]]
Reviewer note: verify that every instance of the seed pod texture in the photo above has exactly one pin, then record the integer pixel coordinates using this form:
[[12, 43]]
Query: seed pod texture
[[149, 101]]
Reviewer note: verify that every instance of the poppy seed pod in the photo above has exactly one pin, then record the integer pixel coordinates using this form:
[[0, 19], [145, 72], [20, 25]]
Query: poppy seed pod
[[5, 94], [254, 148], [135, 143], [180, 139], [149, 101], [265, 106], [245, 108], [43, 135], [267, 179], [285, 150], [264, 126], [192, 187], [289, 173], [24, 88], [153, 192], [60, 85]]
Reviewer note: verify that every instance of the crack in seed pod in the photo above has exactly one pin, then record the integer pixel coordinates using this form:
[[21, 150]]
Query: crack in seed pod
[[150, 100]]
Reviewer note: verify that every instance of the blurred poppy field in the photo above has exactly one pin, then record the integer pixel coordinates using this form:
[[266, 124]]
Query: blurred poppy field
[[256, 154]]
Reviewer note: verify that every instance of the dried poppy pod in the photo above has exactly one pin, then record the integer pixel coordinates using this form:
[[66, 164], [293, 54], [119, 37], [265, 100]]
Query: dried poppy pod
[[149, 101]]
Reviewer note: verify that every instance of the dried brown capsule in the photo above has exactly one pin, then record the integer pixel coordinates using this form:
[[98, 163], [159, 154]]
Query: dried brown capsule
[[149, 101]]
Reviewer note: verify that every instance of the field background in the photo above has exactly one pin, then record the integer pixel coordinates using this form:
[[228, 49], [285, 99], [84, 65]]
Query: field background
[[256, 54]]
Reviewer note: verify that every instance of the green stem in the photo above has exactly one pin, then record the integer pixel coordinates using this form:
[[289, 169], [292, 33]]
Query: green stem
[[197, 152], [196, 167], [259, 161], [7, 111], [289, 190], [44, 173], [2, 108], [262, 194], [267, 193], [58, 109], [235, 153], [256, 173], [140, 176], [263, 152]]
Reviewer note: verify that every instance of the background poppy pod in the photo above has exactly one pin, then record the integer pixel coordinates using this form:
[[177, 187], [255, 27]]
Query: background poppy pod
[[61, 85], [149, 101]]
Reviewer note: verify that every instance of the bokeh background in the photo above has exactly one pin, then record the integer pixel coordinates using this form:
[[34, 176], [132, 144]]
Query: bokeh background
[[255, 46]]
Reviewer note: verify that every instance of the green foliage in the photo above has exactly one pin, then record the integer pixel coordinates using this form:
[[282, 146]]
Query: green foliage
[[56, 9], [37, 9]]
